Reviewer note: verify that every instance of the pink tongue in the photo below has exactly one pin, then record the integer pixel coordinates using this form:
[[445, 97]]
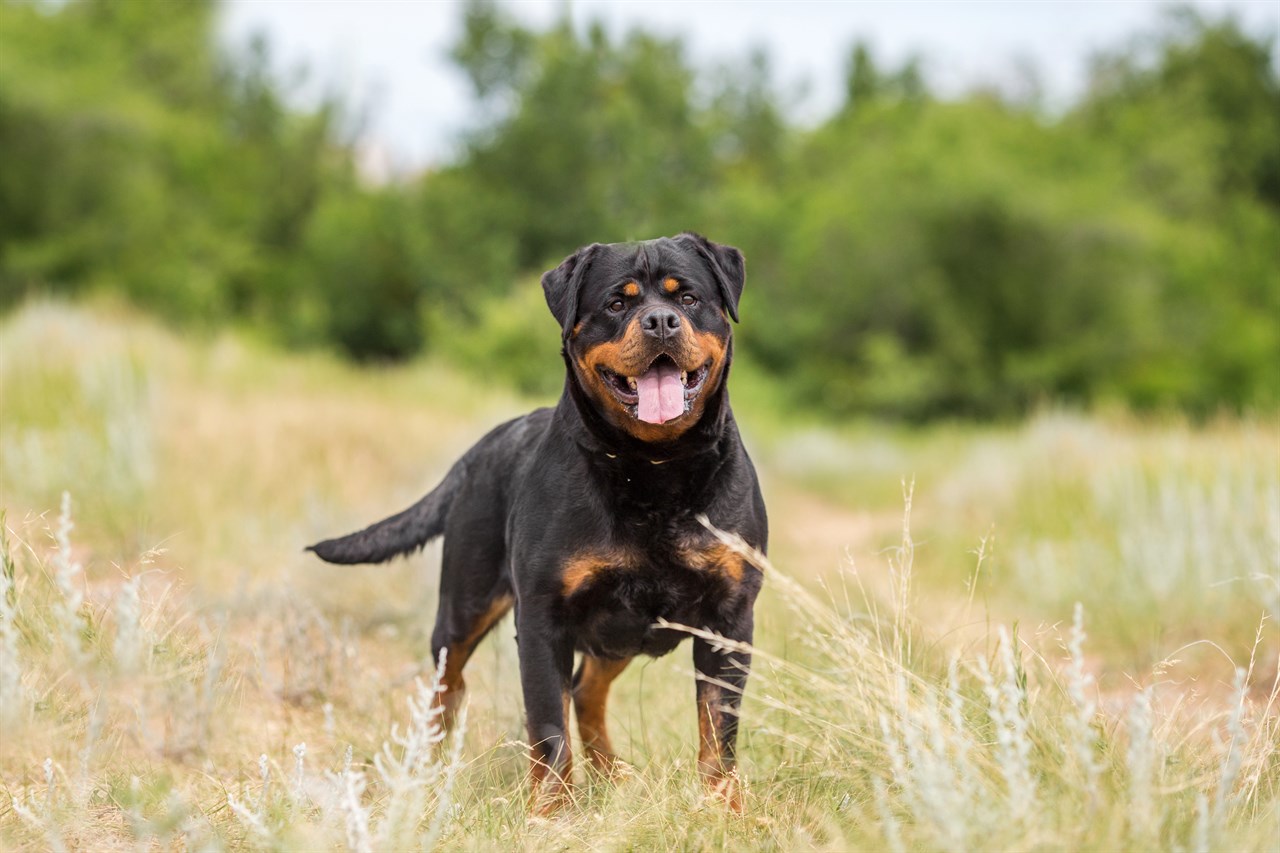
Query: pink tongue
[[661, 394]]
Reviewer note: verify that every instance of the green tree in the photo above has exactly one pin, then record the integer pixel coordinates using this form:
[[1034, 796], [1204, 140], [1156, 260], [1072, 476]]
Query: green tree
[[587, 140]]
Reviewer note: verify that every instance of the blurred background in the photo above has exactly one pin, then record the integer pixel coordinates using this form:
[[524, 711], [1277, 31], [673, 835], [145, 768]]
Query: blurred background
[[267, 268], [946, 213]]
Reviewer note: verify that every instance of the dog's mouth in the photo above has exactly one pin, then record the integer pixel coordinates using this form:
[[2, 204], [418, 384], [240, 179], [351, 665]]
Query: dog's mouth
[[663, 392]]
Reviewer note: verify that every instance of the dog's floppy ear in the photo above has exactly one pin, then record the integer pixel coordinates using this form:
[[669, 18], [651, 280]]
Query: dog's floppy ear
[[727, 265], [561, 286]]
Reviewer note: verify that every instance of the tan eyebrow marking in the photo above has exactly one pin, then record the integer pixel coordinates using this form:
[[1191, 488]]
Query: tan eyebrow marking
[[670, 285], [631, 289]]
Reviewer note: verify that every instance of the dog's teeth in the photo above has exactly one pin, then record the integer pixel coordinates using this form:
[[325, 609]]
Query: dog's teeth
[[631, 380], [684, 377]]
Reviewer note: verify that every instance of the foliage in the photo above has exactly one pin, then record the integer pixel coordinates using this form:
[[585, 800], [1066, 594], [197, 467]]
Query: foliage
[[909, 257], [601, 138], [143, 162], [512, 337]]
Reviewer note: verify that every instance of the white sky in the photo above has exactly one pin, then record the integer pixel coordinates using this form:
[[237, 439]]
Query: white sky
[[389, 57]]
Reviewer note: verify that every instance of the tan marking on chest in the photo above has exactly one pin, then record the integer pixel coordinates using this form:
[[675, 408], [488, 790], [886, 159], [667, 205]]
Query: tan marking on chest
[[718, 558], [581, 569]]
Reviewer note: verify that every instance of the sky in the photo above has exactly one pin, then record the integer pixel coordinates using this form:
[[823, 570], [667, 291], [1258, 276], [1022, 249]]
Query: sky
[[389, 58]]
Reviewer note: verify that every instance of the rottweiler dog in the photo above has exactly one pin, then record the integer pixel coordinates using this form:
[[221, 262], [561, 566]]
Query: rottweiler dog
[[588, 518]]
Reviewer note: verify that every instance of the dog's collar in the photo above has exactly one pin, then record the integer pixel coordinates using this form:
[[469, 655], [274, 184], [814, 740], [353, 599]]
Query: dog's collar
[[651, 461]]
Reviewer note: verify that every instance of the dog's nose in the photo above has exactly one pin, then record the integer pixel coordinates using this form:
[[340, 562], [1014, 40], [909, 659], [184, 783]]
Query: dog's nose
[[660, 323]]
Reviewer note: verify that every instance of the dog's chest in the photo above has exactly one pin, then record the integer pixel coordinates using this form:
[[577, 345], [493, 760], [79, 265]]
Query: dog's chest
[[615, 599]]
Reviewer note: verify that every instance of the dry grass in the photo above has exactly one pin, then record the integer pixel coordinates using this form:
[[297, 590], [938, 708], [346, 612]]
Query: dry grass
[[163, 662]]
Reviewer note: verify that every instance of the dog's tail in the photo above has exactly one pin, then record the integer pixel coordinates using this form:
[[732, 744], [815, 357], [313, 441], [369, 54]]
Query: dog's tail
[[401, 533]]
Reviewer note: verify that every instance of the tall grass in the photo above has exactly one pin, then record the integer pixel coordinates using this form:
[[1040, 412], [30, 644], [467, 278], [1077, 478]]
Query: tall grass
[[1007, 744], [137, 685], [173, 672], [862, 739], [1163, 525], [78, 408]]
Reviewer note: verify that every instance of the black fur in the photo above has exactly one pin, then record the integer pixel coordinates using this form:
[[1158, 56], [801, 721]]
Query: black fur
[[402, 533], [526, 508]]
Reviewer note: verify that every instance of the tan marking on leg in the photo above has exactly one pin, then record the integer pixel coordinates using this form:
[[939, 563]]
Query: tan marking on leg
[[590, 700], [551, 790], [455, 686], [709, 721], [718, 771]]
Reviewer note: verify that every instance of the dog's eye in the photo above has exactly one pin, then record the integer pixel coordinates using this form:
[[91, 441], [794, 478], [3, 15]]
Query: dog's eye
[[617, 305], [688, 299]]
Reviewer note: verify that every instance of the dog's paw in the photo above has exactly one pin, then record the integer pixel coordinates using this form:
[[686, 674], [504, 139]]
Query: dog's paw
[[727, 790], [609, 766]]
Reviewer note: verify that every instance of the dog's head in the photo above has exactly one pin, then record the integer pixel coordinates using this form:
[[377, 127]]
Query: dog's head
[[646, 328]]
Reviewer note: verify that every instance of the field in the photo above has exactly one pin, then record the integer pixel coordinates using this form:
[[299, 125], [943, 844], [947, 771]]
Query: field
[[1056, 634]]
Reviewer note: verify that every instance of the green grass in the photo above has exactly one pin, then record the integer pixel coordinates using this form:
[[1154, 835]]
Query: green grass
[[905, 694]]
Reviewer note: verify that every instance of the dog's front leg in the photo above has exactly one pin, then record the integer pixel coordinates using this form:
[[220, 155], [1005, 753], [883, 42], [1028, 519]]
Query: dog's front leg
[[722, 677], [546, 672]]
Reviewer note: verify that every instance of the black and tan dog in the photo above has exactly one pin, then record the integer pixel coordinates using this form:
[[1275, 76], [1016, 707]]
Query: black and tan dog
[[585, 517]]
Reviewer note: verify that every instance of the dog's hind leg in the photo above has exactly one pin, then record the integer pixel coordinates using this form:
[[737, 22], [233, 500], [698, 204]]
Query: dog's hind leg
[[590, 699], [474, 596], [457, 635]]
